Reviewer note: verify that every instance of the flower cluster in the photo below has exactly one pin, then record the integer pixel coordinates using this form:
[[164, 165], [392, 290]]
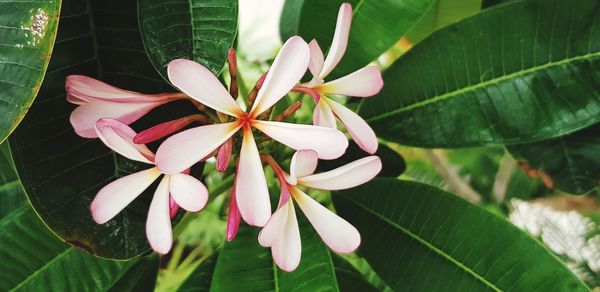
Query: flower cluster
[[105, 112]]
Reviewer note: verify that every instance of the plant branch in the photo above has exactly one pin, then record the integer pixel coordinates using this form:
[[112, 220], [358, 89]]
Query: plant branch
[[455, 182]]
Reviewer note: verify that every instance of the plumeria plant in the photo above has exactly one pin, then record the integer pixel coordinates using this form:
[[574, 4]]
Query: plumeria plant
[[278, 145]]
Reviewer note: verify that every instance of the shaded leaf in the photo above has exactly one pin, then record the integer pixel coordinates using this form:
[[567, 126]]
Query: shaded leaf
[[393, 163], [27, 31], [199, 30], [515, 73], [419, 238]]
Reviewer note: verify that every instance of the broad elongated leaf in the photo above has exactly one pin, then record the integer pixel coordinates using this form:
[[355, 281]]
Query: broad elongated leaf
[[419, 238], [61, 171], [27, 33], [253, 269], [349, 279], [572, 162], [519, 72], [199, 30], [376, 26]]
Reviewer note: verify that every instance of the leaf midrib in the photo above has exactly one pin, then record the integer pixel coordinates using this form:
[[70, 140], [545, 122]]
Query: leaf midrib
[[428, 245], [481, 85]]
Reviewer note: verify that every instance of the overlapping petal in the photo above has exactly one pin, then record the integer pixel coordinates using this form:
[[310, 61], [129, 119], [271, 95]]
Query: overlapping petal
[[251, 189], [200, 84], [114, 197], [323, 115], [184, 149], [119, 137], [188, 192], [282, 234], [328, 143], [358, 128], [364, 82], [347, 176], [336, 232], [287, 69], [84, 118], [158, 223], [340, 40], [304, 162], [316, 62]]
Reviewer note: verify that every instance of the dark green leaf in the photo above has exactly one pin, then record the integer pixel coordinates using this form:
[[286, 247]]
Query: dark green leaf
[[376, 26], [199, 30], [349, 279], [515, 73], [393, 163], [419, 238], [61, 171], [27, 33], [290, 18], [141, 276], [572, 162], [201, 277]]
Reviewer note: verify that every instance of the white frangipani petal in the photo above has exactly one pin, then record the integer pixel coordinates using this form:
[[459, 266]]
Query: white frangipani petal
[[347, 176], [82, 89], [358, 128], [188, 192], [200, 84], [340, 40], [323, 115], [119, 137], [336, 232], [328, 143], [273, 229], [304, 162], [84, 117], [287, 69], [316, 61], [252, 193], [364, 82], [182, 150], [287, 248], [114, 197], [158, 224]]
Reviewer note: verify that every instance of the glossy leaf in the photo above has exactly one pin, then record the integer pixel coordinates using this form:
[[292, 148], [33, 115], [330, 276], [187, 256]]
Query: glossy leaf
[[514, 73], [572, 162], [27, 33], [61, 171], [141, 276], [376, 26], [350, 279], [419, 238], [199, 30], [393, 163]]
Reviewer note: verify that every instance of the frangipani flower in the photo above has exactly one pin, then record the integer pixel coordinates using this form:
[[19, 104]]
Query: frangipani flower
[[174, 191], [362, 83], [186, 148], [98, 100], [281, 232]]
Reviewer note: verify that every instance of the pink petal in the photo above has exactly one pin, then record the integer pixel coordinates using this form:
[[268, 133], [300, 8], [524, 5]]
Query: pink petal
[[364, 82], [188, 192], [224, 155], [115, 196], [158, 224], [167, 128], [336, 232], [316, 62], [328, 143], [173, 207], [200, 84], [84, 118], [233, 217], [358, 129], [340, 40], [182, 150], [283, 236], [323, 115], [304, 162], [119, 137], [346, 176], [251, 190], [82, 89], [287, 69]]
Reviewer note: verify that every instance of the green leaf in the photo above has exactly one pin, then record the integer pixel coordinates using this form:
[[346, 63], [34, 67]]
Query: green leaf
[[27, 33], [393, 163], [33, 257], [571, 161], [139, 277], [199, 30], [244, 265], [419, 238], [61, 171], [349, 278], [376, 26], [515, 73]]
